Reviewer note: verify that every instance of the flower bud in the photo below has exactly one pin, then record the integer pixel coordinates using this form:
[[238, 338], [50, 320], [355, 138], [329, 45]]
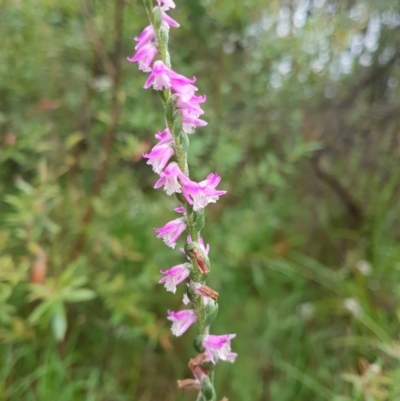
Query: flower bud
[[208, 389], [197, 344], [211, 312]]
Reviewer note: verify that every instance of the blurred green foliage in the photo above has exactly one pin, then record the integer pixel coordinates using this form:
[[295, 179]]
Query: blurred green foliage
[[302, 104]]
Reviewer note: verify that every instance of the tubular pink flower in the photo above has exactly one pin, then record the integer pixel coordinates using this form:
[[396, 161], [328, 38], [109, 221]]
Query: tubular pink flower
[[159, 157], [191, 105], [162, 77], [185, 90], [174, 276], [181, 320], [201, 194], [169, 179], [164, 137], [166, 19], [171, 231], [220, 345], [191, 121], [144, 56], [162, 152], [146, 37]]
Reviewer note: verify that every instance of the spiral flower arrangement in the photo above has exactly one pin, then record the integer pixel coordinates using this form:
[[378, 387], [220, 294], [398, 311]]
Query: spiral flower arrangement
[[169, 159]]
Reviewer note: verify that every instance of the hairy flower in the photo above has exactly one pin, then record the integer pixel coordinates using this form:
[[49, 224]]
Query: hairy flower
[[190, 121], [162, 77], [162, 152], [191, 104], [181, 320], [144, 57], [201, 194], [146, 37], [171, 231], [167, 20], [164, 137], [174, 276], [220, 346], [169, 179]]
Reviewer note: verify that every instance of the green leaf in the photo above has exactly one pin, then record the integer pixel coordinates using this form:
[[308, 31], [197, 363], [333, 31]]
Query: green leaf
[[59, 321], [79, 295], [39, 311]]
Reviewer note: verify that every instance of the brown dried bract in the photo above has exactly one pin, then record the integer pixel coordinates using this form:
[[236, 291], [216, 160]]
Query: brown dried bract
[[195, 365], [188, 384], [207, 292], [199, 258], [197, 361]]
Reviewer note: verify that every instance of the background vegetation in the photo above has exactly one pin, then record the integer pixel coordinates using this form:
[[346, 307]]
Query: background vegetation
[[304, 127]]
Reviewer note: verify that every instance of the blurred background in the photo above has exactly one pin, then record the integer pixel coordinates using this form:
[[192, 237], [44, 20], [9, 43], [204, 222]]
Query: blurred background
[[303, 108]]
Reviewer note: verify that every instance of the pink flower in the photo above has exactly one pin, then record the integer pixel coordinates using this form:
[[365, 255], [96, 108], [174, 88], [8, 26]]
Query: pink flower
[[144, 56], [190, 111], [159, 157], [201, 194], [147, 36], [171, 231], [184, 89], [206, 248], [146, 49], [174, 276], [162, 77], [169, 179], [190, 121], [167, 20], [181, 320], [220, 345], [191, 105], [164, 137]]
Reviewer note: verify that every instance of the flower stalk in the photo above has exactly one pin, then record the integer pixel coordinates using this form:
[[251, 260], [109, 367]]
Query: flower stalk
[[182, 112]]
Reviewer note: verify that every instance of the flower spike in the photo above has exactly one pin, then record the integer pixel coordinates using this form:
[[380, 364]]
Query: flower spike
[[168, 159]]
